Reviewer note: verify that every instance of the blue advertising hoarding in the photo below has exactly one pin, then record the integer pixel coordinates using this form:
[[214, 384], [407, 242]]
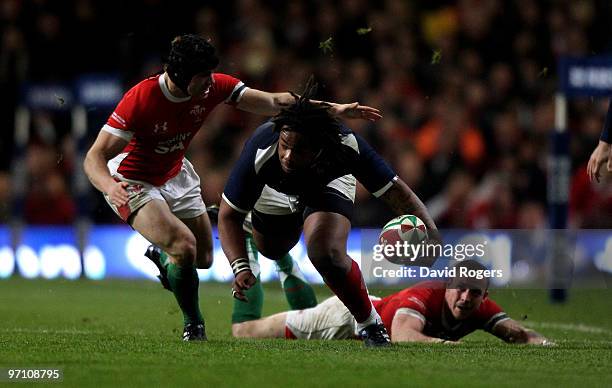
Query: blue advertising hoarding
[[585, 76], [48, 253], [117, 252]]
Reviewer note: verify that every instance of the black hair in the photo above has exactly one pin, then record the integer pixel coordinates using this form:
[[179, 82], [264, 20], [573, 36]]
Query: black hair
[[313, 120], [189, 55]]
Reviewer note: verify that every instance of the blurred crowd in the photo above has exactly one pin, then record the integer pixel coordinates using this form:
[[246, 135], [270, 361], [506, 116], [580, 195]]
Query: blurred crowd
[[466, 88]]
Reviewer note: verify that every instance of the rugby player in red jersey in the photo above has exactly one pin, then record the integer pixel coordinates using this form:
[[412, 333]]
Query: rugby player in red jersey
[[430, 311], [138, 161]]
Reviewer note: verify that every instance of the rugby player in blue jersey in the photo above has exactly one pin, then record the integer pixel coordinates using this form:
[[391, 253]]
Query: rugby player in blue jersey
[[298, 172]]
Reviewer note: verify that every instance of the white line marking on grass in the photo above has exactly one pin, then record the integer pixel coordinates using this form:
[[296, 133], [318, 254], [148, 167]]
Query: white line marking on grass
[[580, 327]]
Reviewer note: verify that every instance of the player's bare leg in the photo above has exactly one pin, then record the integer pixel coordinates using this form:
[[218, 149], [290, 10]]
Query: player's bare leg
[[202, 230], [326, 234], [268, 327], [157, 224]]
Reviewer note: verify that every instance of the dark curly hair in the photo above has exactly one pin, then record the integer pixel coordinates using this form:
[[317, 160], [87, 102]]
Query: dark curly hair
[[189, 55], [313, 120]]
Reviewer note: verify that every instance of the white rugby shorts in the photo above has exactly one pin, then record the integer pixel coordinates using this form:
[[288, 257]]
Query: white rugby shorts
[[328, 320], [182, 193]]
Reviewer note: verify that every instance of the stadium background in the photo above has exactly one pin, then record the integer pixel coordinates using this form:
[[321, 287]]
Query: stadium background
[[466, 89], [467, 92]]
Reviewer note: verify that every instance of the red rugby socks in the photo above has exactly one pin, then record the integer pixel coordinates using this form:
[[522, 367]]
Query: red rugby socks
[[352, 291]]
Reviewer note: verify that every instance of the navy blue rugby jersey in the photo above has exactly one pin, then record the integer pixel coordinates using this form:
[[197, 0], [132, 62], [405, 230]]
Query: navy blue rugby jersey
[[259, 165]]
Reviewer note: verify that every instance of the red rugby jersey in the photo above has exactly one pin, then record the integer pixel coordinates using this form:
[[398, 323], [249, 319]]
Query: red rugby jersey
[[160, 126], [426, 301]]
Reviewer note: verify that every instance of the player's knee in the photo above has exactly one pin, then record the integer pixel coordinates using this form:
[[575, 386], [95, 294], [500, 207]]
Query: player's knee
[[324, 254], [204, 258], [183, 247]]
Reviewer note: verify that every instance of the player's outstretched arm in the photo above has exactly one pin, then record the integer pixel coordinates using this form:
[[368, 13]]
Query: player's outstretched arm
[[512, 332], [106, 147], [407, 328], [233, 243], [270, 104]]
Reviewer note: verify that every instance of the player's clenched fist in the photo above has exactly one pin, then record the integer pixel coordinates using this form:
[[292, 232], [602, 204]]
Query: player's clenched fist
[[243, 281]]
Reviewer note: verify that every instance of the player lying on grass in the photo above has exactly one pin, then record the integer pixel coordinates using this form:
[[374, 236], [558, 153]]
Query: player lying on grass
[[430, 311], [299, 171]]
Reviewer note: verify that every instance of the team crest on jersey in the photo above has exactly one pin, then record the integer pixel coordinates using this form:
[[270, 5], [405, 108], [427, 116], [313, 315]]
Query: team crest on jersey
[[161, 127]]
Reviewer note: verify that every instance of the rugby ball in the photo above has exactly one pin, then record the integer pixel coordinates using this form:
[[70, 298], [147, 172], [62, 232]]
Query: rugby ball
[[407, 229]]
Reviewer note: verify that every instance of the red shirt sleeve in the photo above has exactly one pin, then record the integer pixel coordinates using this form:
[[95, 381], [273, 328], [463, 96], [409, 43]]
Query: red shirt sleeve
[[417, 300], [124, 115], [227, 88]]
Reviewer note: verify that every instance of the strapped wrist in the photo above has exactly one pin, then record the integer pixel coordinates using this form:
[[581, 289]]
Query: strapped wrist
[[239, 265]]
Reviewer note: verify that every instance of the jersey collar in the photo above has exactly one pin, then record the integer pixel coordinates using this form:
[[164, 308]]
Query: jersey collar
[[166, 91]]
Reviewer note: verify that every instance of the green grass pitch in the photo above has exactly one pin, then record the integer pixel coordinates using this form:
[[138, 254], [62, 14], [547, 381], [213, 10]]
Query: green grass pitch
[[126, 333]]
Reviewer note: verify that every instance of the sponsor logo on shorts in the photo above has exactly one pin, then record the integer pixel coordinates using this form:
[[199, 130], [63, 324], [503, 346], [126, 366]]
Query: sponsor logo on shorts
[[134, 189]]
